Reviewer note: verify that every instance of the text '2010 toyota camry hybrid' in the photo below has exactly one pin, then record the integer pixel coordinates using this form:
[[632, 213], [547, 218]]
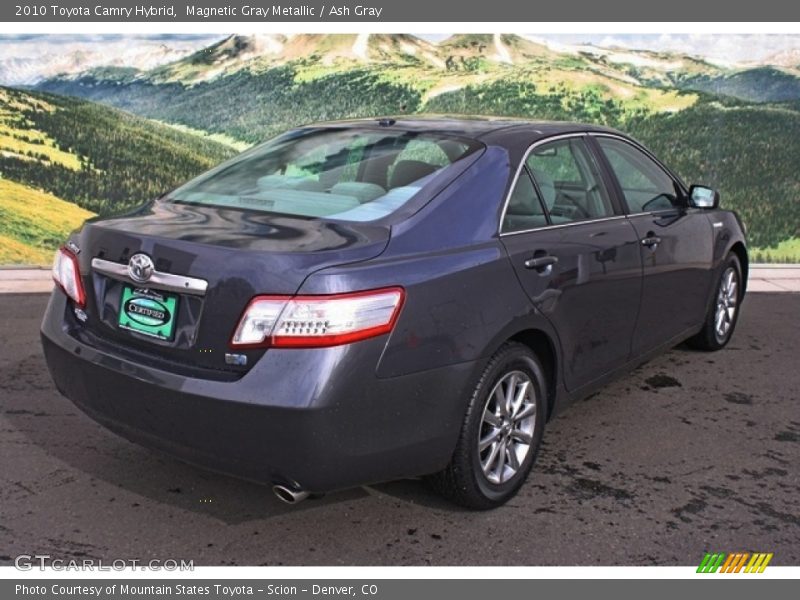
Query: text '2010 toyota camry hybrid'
[[363, 301]]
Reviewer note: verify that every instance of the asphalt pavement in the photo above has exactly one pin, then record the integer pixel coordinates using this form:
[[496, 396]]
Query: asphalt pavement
[[690, 453]]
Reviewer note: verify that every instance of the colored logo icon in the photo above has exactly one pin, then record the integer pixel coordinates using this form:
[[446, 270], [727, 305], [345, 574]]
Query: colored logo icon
[[735, 562]]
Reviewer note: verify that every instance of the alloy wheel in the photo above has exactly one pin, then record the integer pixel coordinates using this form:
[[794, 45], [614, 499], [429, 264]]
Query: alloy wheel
[[507, 428], [727, 300]]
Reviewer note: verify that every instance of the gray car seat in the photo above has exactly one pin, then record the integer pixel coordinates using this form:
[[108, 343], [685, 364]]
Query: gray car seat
[[363, 191], [548, 188], [524, 210]]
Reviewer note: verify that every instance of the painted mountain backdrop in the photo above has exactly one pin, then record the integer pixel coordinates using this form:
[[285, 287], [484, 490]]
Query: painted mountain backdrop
[[730, 124]]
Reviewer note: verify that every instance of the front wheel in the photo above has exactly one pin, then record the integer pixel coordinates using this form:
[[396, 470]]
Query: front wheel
[[724, 311], [501, 433]]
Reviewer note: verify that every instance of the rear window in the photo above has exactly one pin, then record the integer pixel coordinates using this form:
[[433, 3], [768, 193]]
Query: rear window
[[345, 174]]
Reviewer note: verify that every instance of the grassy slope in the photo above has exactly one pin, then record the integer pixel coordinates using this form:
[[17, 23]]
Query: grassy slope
[[18, 136], [101, 158], [787, 251], [34, 223], [64, 159]]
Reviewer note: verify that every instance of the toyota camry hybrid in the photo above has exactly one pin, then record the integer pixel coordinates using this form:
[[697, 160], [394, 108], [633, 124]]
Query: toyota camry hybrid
[[363, 301]]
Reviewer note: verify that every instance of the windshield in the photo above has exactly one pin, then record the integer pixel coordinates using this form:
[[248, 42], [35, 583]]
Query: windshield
[[347, 174]]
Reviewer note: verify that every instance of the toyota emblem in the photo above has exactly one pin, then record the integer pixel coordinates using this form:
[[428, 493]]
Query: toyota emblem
[[140, 268]]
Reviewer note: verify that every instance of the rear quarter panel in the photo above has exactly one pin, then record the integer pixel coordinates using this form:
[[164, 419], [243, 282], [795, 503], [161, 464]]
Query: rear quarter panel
[[463, 299]]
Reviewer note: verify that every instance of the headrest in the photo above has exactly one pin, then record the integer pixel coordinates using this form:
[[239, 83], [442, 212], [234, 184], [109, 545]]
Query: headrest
[[363, 191], [288, 182], [407, 172]]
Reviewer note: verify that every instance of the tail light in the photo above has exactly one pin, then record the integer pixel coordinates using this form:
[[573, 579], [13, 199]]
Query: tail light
[[67, 276], [316, 321]]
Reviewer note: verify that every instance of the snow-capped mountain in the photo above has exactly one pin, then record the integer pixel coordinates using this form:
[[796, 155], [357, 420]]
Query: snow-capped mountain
[[789, 58], [28, 60]]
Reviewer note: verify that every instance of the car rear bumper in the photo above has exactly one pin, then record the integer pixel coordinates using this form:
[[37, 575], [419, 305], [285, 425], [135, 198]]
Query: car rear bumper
[[317, 418]]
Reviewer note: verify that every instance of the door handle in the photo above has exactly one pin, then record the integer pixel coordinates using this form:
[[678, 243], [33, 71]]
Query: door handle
[[541, 263], [651, 241]]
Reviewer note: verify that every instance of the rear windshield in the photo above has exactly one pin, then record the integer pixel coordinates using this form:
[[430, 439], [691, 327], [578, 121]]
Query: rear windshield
[[346, 174]]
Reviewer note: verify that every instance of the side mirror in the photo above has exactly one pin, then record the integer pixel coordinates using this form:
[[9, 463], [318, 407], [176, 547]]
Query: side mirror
[[701, 196]]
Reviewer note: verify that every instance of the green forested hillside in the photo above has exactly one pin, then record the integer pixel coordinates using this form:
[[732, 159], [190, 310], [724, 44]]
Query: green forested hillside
[[100, 158], [519, 97], [750, 149], [318, 78], [750, 153], [252, 108], [764, 84], [63, 159]]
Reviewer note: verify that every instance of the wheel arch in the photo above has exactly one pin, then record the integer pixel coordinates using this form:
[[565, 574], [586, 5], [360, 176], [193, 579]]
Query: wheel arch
[[741, 253], [544, 347]]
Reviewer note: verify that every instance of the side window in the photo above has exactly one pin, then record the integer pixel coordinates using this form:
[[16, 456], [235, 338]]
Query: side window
[[569, 181], [645, 185], [524, 210]]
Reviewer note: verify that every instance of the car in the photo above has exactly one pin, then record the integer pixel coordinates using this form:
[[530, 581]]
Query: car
[[362, 301]]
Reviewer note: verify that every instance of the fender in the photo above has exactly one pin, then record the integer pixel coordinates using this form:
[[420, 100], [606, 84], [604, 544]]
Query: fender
[[728, 232], [522, 327]]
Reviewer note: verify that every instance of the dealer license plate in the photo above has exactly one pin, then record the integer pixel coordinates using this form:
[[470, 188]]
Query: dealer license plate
[[148, 312]]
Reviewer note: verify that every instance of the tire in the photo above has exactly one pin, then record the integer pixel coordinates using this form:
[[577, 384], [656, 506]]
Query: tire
[[513, 436], [723, 313]]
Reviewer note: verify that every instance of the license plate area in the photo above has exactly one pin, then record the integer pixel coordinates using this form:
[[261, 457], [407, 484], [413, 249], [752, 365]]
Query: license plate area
[[151, 313]]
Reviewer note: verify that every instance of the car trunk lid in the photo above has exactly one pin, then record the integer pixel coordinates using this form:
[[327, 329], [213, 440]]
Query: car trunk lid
[[237, 253]]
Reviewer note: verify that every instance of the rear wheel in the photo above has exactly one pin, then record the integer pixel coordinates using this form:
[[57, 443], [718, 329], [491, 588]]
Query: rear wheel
[[724, 311], [501, 433]]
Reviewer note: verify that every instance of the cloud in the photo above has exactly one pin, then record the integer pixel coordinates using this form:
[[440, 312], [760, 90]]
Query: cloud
[[731, 48]]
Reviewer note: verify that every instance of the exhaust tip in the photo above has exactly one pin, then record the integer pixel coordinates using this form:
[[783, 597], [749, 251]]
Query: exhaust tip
[[289, 495]]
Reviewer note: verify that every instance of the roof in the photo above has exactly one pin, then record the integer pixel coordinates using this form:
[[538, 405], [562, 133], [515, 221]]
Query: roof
[[492, 130]]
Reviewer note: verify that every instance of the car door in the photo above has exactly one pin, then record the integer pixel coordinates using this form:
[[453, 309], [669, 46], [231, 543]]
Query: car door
[[575, 255], [676, 243]]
